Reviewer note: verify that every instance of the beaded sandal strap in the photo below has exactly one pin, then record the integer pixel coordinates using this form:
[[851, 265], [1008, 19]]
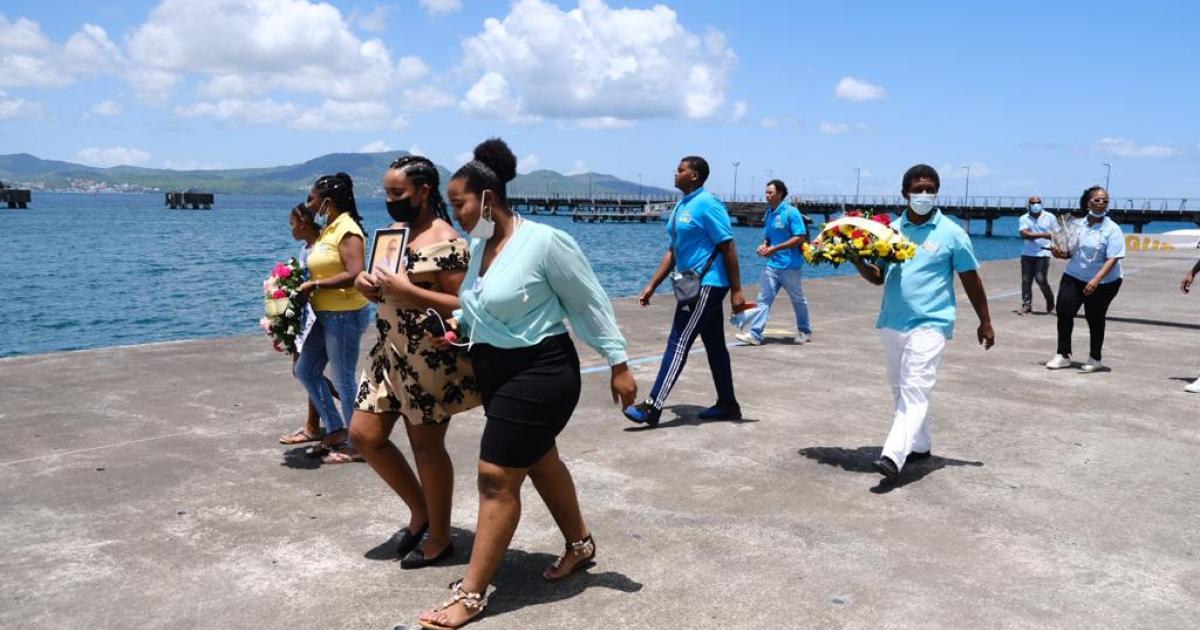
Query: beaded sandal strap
[[473, 602], [585, 547]]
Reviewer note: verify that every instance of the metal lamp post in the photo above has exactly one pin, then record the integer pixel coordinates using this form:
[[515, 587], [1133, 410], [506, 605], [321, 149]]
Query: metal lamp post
[[967, 190], [735, 177], [1107, 173]]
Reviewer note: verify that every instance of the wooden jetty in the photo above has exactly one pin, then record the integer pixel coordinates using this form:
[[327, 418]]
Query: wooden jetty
[[189, 199], [15, 197]]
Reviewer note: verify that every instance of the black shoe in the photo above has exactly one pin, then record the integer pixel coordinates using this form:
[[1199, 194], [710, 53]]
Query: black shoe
[[721, 412], [886, 467], [416, 558], [917, 456], [407, 540], [1049, 306]]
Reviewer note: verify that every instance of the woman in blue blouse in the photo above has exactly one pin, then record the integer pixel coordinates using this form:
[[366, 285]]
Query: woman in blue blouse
[[524, 279], [1091, 280]]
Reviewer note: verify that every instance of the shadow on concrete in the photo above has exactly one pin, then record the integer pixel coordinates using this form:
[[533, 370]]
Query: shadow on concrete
[[462, 539], [860, 460], [1183, 379], [299, 459], [519, 582], [1151, 322], [685, 415]]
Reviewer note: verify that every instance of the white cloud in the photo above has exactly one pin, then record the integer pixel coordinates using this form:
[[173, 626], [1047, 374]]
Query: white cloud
[[579, 168], [12, 108], [1123, 147], [426, 98], [112, 156], [603, 122], [854, 89], [331, 115], [528, 164], [104, 109], [30, 59], [375, 20], [417, 150], [378, 146], [594, 62], [959, 171], [770, 122], [265, 45], [464, 157], [837, 128], [739, 111], [441, 7]]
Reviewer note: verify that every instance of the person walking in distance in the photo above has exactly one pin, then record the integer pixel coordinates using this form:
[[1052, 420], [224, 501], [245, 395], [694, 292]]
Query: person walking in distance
[[784, 231], [1035, 228]]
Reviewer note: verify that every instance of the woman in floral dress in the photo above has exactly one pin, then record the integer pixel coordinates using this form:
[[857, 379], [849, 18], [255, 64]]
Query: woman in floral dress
[[406, 376]]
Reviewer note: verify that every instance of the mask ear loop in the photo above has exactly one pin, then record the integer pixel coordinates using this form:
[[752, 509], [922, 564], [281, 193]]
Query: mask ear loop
[[442, 323]]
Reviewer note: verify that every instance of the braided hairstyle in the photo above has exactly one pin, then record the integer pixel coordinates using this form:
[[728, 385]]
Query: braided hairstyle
[[339, 189], [421, 171], [493, 167]]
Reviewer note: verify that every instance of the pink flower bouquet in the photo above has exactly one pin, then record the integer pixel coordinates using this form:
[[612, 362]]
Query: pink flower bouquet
[[283, 305]]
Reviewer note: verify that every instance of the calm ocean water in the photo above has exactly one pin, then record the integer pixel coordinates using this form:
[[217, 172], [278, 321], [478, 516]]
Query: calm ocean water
[[90, 271]]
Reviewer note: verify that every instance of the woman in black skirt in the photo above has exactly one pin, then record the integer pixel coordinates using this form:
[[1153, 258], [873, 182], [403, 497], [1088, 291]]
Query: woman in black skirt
[[523, 281]]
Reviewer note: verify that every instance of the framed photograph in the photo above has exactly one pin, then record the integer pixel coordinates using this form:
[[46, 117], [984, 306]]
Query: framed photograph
[[389, 250]]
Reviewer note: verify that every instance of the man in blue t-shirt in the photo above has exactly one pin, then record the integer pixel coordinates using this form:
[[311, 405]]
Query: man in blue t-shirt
[[918, 313], [1035, 227], [784, 232], [701, 240]]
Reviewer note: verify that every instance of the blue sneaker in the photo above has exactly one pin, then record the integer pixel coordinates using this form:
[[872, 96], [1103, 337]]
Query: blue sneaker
[[643, 413], [721, 412]]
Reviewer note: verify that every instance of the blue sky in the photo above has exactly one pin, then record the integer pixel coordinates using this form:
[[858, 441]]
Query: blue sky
[[1034, 96]]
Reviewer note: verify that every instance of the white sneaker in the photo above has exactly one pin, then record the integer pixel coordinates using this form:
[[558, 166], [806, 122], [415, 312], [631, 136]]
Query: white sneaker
[[1058, 362], [802, 338], [1092, 365], [748, 339], [1194, 387]]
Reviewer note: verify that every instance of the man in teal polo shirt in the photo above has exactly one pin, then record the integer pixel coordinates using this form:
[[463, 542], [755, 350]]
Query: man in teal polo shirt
[[918, 313], [784, 232]]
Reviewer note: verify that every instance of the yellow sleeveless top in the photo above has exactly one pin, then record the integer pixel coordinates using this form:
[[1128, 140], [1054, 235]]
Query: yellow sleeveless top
[[324, 261]]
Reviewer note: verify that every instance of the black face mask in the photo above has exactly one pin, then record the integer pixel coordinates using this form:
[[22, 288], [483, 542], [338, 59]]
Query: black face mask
[[403, 210]]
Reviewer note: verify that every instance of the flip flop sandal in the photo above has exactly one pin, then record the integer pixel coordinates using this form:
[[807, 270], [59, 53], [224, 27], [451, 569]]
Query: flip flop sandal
[[585, 549], [301, 436], [473, 602], [320, 450]]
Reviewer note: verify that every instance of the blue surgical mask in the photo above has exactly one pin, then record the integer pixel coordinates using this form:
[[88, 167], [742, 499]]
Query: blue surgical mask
[[1035, 208], [921, 203]]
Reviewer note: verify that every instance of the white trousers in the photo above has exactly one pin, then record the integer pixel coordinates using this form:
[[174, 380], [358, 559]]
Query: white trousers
[[912, 363]]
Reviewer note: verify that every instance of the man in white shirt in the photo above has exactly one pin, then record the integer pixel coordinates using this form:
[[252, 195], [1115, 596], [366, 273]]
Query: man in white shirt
[[1035, 227]]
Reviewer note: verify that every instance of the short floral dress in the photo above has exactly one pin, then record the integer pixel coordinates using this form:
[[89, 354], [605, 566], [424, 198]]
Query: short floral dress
[[405, 373]]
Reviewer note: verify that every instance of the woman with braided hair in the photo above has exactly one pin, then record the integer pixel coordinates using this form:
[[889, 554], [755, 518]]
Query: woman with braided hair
[[342, 314], [406, 376]]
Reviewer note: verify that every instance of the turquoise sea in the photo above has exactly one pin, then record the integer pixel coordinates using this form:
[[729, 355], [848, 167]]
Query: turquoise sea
[[88, 271]]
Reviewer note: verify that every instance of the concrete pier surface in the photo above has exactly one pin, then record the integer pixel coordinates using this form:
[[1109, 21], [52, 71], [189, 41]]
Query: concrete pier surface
[[143, 487]]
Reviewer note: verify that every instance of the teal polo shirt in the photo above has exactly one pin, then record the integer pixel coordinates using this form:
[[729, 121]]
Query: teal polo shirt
[[920, 291], [782, 224], [698, 224]]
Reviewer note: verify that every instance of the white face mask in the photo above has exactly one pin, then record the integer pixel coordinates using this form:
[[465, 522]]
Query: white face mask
[[484, 228], [921, 203], [1035, 208], [1097, 215]]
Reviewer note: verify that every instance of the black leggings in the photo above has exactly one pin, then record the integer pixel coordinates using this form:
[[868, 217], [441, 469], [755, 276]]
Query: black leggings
[[1095, 309]]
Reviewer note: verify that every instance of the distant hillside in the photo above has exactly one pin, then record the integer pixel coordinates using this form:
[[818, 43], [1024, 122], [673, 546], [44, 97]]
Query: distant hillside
[[366, 168]]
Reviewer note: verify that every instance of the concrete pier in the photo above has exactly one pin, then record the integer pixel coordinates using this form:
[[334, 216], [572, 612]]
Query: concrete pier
[[142, 487]]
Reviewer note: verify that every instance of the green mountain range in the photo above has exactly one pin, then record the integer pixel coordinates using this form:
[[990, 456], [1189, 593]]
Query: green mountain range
[[23, 169]]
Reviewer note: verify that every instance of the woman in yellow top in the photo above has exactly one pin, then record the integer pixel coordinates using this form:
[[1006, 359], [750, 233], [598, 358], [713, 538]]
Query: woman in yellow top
[[342, 312]]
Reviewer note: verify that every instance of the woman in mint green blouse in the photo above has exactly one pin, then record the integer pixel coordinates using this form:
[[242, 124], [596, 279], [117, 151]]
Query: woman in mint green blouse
[[524, 280]]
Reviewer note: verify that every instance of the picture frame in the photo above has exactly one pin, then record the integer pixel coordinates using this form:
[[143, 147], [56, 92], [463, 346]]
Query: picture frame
[[389, 249]]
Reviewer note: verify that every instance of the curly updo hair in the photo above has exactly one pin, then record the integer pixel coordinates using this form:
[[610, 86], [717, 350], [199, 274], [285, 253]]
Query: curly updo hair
[[493, 167]]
